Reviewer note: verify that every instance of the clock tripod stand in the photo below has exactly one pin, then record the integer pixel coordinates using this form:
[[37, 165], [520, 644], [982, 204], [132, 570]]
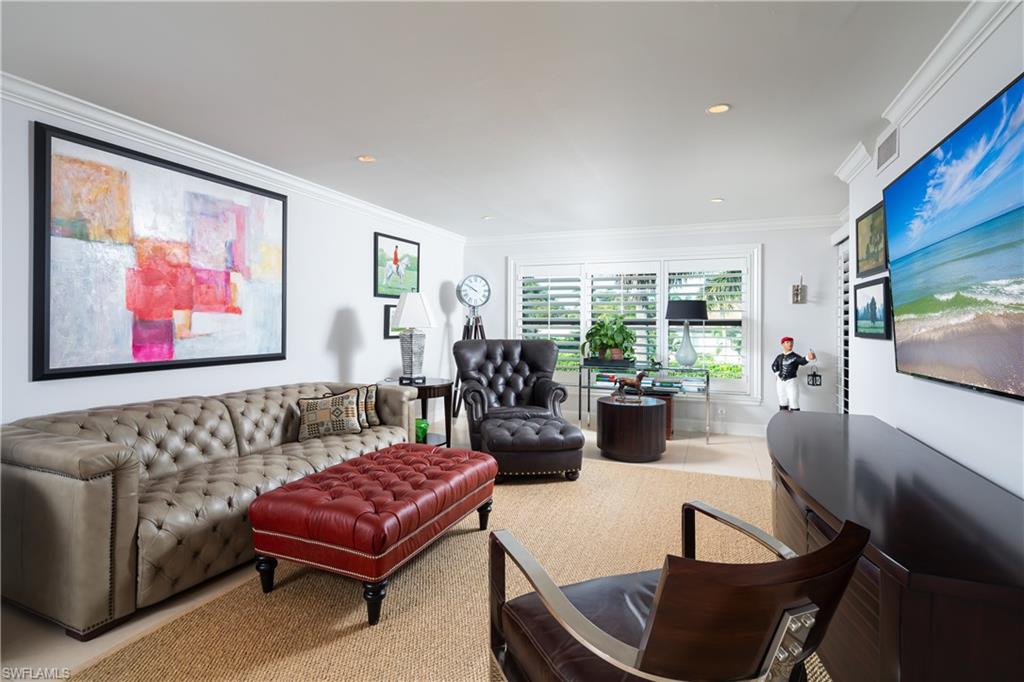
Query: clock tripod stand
[[473, 328]]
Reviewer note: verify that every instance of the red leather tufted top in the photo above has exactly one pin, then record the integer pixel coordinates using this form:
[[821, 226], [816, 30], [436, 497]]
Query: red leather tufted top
[[371, 503]]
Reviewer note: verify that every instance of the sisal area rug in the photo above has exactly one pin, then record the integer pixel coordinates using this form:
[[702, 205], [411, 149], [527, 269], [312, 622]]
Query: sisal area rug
[[616, 518]]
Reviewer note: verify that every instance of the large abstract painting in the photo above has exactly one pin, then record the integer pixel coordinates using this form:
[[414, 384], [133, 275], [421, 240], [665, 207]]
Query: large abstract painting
[[142, 264]]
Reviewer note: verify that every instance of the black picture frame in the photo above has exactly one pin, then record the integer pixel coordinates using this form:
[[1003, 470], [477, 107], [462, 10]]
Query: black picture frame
[[43, 135], [895, 344], [887, 303], [862, 219], [379, 286], [389, 310]]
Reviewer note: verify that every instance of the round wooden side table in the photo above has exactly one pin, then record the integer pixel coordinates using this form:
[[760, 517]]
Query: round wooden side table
[[432, 388], [631, 431]]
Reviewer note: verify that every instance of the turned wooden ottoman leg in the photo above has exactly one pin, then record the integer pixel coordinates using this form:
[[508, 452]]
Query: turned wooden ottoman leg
[[266, 565], [374, 594], [485, 511]]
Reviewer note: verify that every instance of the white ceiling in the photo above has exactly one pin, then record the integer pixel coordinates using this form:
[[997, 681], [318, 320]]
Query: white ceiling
[[545, 116]]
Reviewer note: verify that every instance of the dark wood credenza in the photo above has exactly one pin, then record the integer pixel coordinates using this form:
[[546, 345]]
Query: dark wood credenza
[[939, 592]]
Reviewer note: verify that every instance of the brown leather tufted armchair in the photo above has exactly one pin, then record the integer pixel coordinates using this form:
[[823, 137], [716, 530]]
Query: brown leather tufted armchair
[[507, 378], [513, 406]]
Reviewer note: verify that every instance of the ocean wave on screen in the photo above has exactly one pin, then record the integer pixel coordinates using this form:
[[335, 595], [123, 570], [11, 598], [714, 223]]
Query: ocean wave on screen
[[987, 296]]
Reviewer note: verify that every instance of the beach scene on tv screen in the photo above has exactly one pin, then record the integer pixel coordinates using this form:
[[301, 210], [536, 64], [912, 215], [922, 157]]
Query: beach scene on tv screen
[[955, 224]]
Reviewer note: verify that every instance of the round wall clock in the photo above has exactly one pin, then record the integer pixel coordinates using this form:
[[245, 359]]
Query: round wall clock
[[473, 291]]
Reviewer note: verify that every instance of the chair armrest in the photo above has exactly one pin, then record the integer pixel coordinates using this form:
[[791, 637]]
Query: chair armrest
[[474, 397], [779, 548], [600, 643], [70, 510], [550, 394]]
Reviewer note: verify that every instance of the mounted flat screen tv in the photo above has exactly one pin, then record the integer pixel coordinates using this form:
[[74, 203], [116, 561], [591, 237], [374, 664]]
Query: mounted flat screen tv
[[955, 226]]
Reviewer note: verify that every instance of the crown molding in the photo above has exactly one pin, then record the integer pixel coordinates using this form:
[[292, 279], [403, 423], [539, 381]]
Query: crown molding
[[844, 216], [41, 98], [768, 224], [971, 29], [842, 232], [856, 161]]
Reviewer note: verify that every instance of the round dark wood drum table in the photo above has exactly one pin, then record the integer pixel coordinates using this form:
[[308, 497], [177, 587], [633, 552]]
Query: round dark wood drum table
[[631, 431]]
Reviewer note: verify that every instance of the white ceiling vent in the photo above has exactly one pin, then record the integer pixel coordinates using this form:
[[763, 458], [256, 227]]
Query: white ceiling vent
[[888, 148]]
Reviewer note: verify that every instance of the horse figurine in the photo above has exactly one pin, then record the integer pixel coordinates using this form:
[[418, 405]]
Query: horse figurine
[[392, 270], [636, 384]]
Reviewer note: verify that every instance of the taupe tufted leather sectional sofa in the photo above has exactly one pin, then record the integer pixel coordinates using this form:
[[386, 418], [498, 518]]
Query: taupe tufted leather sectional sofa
[[111, 509]]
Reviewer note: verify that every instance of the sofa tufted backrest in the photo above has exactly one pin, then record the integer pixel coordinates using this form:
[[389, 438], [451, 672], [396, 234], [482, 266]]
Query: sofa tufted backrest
[[507, 368], [168, 436], [266, 417]]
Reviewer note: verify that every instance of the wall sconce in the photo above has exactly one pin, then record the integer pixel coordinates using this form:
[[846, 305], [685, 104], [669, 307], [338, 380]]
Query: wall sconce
[[800, 291]]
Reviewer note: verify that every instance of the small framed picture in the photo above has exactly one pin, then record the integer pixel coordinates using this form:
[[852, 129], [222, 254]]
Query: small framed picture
[[872, 315], [872, 248], [396, 266], [389, 331]]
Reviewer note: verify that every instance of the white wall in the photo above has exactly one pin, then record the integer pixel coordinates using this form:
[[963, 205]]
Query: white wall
[[984, 432], [335, 325], [786, 253]]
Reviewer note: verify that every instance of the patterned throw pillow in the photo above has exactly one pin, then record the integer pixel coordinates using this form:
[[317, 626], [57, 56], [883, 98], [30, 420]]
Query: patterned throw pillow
[[331, 415], [361, 408], [371, 405]]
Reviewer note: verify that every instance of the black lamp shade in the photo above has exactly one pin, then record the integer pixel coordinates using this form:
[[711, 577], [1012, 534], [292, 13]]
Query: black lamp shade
[[687, 310]]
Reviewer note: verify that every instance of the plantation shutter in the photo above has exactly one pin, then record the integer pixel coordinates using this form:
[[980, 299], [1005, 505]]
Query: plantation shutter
[[843, 322], [721, 341], [548, 302], [629, 290]]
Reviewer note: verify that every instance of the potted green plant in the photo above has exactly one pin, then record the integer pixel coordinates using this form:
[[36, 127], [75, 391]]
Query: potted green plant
[[609, 338]]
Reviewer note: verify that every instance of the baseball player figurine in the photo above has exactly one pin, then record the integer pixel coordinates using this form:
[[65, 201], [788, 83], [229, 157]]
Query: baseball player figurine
[[785, 367]]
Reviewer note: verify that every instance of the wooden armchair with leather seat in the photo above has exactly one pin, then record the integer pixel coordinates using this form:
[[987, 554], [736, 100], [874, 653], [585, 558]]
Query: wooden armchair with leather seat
[[691, 621]]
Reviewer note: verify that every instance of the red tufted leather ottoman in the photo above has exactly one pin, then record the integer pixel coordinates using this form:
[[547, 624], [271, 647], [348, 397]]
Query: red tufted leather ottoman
[[368, 516]]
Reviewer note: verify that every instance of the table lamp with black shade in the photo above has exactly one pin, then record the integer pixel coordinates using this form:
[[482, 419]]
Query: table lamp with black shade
[[412, 314], [685, 311]]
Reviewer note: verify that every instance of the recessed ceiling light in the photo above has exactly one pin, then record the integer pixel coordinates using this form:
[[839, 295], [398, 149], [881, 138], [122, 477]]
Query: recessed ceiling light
[[487, 217], [717, 200], [366, 158], [718, 108]]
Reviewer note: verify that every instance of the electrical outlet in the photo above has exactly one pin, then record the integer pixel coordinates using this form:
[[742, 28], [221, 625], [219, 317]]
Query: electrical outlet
[[721, 411]]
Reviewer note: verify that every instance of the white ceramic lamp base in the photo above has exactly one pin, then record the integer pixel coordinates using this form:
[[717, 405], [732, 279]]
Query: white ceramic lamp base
[[686, 355]]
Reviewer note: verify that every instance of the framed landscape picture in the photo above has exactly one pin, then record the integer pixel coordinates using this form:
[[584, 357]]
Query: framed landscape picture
[[872, 310], [143, 264], [389, 331], [872, 253], [396, 265]]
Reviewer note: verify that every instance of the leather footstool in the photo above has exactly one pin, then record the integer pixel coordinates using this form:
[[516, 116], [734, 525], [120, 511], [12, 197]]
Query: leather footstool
[[367, 517], [536, 446]]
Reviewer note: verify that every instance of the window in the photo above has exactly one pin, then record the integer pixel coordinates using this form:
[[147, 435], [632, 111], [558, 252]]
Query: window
[[721, 341], [560, 300], [547, 306], [631, 291]]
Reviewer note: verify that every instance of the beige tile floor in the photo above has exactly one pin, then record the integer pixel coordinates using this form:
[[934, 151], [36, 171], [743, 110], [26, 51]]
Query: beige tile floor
[[30, 642]]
